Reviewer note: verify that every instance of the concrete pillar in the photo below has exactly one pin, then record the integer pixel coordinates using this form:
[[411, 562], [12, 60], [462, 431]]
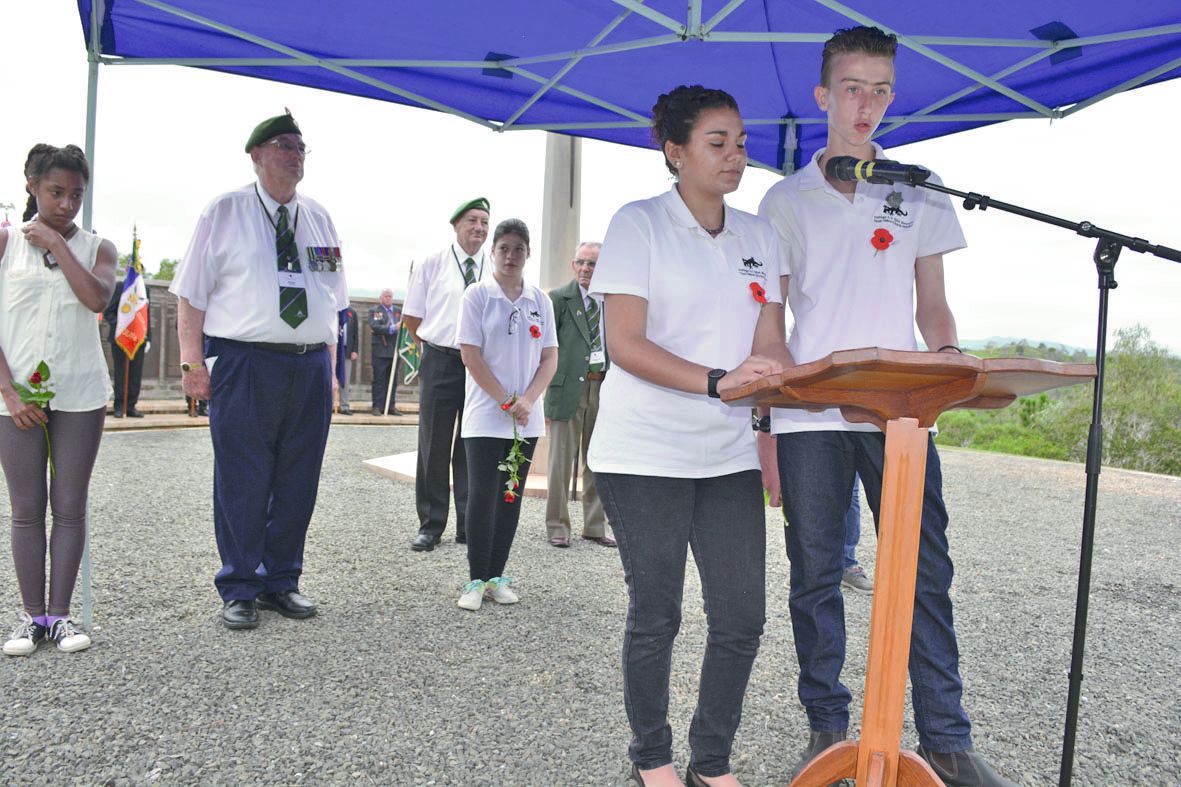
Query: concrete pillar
[[560, 210]]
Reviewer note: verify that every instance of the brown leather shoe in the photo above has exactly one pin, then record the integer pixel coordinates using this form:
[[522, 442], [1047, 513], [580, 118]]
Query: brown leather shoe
[[606, 541], [558, 541]]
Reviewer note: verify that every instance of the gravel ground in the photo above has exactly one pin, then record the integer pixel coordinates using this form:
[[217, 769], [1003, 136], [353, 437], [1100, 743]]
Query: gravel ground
[[392, 684]]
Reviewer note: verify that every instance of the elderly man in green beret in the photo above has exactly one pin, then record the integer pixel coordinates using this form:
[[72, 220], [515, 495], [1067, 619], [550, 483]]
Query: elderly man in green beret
[[259, 290], [431, 314]]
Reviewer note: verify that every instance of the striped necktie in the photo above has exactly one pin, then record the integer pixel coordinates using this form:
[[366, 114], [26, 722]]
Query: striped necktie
[[592, 322], [469, 273], [293, 301]]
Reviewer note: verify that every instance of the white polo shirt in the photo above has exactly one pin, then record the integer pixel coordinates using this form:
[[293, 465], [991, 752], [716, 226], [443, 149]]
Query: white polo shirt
[[701, 308], [845, 293], [504, 330], [230, 270], [436, 290]]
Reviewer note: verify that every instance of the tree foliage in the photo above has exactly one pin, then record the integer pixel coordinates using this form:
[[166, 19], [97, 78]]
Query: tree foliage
[[1141, 411]]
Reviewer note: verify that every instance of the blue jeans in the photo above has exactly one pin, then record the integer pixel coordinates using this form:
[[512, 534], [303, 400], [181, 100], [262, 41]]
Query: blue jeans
[[816, 470], [655, 521], [852, 528]]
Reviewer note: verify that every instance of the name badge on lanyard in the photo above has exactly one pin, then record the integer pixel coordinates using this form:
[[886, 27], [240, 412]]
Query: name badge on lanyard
[[291, 279], [598, 356]]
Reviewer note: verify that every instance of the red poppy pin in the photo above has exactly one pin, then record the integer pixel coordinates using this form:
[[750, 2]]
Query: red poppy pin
[[881, 239], [757, 290], [535, 331]]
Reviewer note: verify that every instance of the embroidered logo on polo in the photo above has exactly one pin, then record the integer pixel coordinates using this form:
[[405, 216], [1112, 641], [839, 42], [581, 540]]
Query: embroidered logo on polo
[[752, 268], [324, 259], [893, 213]]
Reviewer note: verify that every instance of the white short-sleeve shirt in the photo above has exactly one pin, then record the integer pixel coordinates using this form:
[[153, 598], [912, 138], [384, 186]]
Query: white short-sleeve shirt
[[844, 292], [230, 270], [436, 290], [511, 336], [700, 307], [41, 319]]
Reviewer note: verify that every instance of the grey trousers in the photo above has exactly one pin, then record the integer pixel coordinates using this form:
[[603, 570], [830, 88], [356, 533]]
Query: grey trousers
[[567, 439]]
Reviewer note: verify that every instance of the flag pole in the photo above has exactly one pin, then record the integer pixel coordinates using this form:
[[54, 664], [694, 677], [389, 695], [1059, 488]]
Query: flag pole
[[126, 380]]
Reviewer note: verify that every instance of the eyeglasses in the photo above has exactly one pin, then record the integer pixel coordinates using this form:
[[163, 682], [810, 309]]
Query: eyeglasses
[[585, 263], [514, 320], [289, 147]]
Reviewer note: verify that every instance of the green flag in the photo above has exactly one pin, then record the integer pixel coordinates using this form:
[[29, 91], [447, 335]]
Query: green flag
[[408, 352]]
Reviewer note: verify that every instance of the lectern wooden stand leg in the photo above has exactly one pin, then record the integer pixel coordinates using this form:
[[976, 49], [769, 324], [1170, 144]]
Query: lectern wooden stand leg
[[876, 760]]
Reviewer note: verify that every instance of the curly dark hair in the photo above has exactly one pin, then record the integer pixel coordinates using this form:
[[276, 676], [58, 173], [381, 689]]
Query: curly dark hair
[[511, 227], [676, 111], [866, 40], [43, 157]]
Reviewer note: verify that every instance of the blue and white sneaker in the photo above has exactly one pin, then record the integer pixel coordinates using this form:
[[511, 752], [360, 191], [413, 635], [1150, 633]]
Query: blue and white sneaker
[[25, 637], [472, 596], [68, 638]]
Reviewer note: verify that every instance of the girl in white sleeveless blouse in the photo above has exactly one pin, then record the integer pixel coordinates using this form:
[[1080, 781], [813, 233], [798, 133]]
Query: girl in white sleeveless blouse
[[54, 279]]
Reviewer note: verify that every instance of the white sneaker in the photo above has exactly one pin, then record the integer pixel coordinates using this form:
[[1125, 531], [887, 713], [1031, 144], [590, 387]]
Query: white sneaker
[[25, 637], [497, 589], [472, 596], [67, 637]]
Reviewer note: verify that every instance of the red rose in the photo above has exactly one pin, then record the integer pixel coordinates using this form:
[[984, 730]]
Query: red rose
[[515, 484], [506, 406], [757, 290], [35, 378], [535, 332], [881, 239], [509, 497]]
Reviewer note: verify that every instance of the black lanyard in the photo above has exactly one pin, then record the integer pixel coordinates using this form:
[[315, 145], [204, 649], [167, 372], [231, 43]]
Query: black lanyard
[[267, 213], [459, 265]]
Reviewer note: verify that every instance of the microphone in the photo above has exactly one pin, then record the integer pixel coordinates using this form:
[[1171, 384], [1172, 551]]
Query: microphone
[[875, 171]]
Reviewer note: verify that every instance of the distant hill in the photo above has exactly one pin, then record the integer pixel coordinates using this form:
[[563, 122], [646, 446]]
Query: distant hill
[[1001, 341]]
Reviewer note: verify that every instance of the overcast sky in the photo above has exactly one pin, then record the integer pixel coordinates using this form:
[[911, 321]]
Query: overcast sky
[[170, 139]]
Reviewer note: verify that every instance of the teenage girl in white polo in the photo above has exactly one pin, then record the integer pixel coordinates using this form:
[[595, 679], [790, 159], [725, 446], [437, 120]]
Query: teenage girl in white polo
[[693, 306], [509, 345]]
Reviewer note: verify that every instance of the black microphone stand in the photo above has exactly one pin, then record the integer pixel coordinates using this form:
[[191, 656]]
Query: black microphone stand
[[1107, 251]]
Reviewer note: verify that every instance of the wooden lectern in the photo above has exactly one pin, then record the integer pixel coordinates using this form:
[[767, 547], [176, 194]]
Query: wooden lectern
[[902, 393]]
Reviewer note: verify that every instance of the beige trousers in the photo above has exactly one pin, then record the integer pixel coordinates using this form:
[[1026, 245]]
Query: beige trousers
[[566, 439]]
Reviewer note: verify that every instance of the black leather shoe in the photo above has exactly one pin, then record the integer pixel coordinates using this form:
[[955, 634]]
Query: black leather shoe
[[133, 413], [964, 769], [346, 411], [377, 411], [239, 614], [818, 742], [424, 542], [692, 779], [287, 603], [461, 538], [118, 413]]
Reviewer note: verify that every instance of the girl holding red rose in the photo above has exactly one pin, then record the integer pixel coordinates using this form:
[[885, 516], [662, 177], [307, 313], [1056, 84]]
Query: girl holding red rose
[[55, 276], [509, 345]]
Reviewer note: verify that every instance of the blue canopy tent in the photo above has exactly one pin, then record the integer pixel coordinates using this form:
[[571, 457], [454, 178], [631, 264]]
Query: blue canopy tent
[[593, 68]]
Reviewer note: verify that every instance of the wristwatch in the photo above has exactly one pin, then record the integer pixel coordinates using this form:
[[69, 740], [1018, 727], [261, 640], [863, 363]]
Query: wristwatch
[[760, 424], [187, 367], [711, 381]]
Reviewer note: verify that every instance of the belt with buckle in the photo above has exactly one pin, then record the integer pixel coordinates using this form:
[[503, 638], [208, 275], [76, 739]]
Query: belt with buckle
[[443, 349], [275, 347], [595, 375]]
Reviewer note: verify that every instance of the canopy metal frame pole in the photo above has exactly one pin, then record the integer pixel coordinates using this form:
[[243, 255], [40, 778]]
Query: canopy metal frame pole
[[93, 47]]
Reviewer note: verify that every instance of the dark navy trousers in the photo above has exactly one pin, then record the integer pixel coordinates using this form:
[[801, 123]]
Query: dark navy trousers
[[269, 418]]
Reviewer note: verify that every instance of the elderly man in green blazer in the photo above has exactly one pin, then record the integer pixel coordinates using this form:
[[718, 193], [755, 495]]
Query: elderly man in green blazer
[[572, 401]]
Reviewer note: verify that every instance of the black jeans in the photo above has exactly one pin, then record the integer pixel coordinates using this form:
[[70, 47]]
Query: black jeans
[[441, 391], [491, 521], [655, 520]]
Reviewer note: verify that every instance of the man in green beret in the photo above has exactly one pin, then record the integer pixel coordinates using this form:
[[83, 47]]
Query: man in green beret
[[431, 314], [259, 291]]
